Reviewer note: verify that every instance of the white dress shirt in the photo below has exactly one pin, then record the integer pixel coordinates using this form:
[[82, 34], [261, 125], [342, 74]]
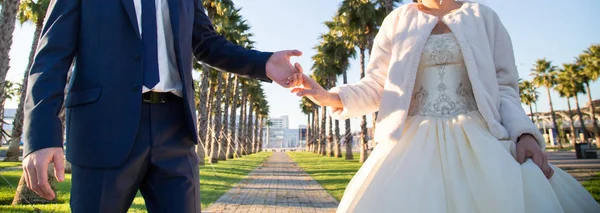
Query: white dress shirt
[[169, 79]]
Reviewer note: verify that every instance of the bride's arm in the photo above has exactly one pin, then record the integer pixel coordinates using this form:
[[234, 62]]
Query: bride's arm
[[363, 97], [514, 118]]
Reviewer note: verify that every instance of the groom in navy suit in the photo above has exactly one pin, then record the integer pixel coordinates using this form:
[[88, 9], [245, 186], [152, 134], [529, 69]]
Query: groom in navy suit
[[130, 101]]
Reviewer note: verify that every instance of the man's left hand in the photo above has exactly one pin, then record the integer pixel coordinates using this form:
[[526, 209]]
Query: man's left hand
[[527, 147], [279, 68]]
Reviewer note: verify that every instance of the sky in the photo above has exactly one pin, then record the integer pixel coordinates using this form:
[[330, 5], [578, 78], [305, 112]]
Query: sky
[[555, 30]]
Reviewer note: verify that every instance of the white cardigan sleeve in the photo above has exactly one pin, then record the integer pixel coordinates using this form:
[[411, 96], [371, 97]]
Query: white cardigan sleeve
[[363, 97], [513, 117]]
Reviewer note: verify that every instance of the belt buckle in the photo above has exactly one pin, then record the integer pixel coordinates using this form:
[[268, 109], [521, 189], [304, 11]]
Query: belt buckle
[[155, 98]]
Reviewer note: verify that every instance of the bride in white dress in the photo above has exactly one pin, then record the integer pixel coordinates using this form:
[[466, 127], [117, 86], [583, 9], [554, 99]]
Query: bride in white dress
[[450, 157]]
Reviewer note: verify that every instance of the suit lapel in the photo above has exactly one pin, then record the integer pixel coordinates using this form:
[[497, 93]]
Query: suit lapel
[[130, 8]]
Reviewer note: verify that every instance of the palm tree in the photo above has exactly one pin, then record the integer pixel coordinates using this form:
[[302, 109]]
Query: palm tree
[[217, 103], [243, 117], [29, 11], [212, 143], [219, 11], [529, 95], [7, 27], [338, 50], [573, 74], [315, 129], [11, 91], [264, 114], [545, 75], [590, 59], [360, 18], [306, 108], [253, 92], [232, 119], [565, 89], [201, 123]]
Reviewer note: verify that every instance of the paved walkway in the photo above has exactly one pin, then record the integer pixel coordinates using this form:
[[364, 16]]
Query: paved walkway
[[581, 169], [278, 185]]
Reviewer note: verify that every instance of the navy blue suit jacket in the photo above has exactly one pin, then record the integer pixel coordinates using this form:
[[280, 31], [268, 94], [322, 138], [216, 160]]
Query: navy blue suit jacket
[[103, 101]]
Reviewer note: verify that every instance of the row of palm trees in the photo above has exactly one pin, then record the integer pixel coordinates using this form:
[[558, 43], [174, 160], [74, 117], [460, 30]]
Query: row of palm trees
[[569, 81], [223, 133], [351, 31]]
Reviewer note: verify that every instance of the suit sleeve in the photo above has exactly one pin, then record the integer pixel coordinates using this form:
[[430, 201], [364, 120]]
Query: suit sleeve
[[513, 117], [214, 50], [42, 127]]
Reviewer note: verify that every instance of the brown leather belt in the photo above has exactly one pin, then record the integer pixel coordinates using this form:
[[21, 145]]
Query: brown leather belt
[[159, 97]]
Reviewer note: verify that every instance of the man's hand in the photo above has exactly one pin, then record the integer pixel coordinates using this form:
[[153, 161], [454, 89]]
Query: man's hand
[[527, 147], [279, 68], [35, 167]]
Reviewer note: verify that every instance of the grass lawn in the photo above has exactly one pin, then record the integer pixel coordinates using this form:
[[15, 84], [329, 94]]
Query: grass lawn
[[593, 186], [215, 181], [333, 174]]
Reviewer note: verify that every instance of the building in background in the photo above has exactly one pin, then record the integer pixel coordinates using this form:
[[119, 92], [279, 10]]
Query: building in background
[[302, 135], [276, 132], [291, 138]]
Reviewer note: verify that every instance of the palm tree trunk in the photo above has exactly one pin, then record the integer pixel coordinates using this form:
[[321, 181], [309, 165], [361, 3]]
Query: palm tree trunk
[[226, 139], [311, 137], [573, 134], [261, 136], [24, 195], [593, 111], [308, 132], [248, 144], [241, 143], [317, 142], [200, 151], [203, 116], [255, 134], [232, 120], [211, 136], [347, 135], [323, 131], [531, 112], [556, 127], [217, 119], [330, 139], [13, 152], [363, 125], [581, 121], [7, 27], [338, 145]]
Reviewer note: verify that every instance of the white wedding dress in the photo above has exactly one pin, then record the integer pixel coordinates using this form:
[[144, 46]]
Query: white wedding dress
[[448, 161]]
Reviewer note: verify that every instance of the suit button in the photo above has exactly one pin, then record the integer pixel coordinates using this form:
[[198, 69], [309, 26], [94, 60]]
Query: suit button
[[137, 57], [136, 88]]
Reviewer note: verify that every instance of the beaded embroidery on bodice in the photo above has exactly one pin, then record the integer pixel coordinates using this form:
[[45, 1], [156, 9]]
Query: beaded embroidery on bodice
[[442, 87]]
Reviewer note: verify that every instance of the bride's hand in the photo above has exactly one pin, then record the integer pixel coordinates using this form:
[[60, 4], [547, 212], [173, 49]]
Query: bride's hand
[[527, 147], [308, 87]]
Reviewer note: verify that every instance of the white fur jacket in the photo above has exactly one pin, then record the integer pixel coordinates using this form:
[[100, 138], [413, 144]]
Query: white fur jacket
[[390, 75]]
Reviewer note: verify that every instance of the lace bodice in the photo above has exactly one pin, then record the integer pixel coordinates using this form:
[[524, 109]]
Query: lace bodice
[[442, 87]]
